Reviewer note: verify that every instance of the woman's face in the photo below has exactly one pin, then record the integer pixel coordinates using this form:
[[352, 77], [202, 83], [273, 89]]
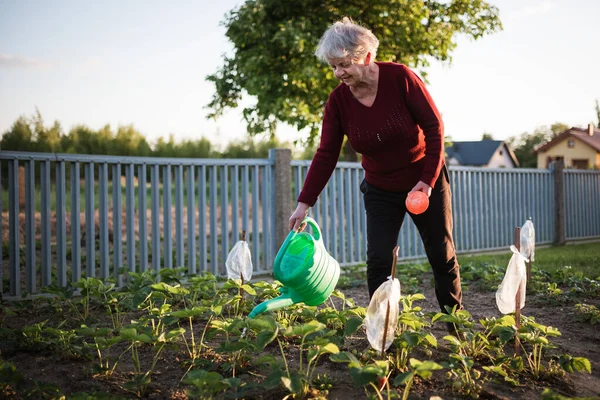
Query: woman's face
[[349, 71]]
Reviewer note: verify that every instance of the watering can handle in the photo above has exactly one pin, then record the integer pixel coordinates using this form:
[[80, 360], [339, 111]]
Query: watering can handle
[[315, 227], [292, 235]]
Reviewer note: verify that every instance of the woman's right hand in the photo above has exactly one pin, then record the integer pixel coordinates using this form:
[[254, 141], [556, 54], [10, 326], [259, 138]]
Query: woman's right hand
[[298, 216]]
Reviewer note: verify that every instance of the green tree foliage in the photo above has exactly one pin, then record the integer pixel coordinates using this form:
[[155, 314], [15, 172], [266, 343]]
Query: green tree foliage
[[30, 134], [487, 136], [201, 148], [251, 148], [274, 43], [524, 145]]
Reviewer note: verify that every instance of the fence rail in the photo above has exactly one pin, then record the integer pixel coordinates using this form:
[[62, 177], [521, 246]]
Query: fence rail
[[165, 213]]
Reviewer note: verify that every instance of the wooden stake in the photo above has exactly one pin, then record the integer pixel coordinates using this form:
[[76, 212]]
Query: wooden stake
[[387, 312], [241, 273], [518, 296], [395, 254], [385, 329]]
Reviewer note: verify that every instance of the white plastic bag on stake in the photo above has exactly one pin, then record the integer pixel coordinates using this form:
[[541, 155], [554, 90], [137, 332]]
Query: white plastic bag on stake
[[239, 261], [528, 240], [388, 293], [515, 277]]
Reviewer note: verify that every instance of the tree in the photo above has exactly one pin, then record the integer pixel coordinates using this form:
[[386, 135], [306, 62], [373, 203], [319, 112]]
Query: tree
[[524, 145], [487, 136], [598, 113], [274, 43]]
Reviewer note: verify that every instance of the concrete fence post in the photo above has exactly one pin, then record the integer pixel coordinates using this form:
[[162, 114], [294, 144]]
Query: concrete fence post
[[559, 203], [283, 192]]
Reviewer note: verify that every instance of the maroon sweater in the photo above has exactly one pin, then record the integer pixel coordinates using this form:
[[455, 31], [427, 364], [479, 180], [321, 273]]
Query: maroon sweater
[[400, 137]]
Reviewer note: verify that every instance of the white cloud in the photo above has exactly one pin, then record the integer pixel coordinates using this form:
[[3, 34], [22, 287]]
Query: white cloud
[[20, 62]]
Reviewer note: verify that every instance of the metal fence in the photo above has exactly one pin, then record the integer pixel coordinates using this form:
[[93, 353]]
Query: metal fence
[[582, 204], [164, 213], [147, 213], [487, 205]]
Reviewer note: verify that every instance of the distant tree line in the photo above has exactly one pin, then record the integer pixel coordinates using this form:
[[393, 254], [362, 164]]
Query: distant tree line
[[31, 134]]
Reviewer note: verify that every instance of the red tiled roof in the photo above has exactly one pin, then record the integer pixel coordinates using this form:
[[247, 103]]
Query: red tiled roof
[[579, 133]]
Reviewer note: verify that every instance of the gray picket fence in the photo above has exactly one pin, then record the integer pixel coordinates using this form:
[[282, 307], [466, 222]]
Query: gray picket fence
[[165, 213]]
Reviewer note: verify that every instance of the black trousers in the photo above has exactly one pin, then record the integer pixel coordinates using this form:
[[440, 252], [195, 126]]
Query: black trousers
[[385, 214]]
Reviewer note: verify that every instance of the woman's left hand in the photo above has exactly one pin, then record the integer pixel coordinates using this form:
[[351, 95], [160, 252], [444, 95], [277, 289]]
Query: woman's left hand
[[422, 187]]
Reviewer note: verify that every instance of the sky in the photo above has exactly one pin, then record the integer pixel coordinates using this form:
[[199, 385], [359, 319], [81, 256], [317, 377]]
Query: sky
[[144, 62]]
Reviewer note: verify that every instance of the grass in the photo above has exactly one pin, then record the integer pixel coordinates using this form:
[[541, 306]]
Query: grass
[[583, 258]]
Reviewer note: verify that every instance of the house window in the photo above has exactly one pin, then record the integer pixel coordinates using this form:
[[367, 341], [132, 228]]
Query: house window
[[501, 152], [571, 143], [580, 164]]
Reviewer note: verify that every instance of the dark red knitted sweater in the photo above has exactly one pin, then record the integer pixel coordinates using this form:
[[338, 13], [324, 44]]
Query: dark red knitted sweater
[[400, 137]]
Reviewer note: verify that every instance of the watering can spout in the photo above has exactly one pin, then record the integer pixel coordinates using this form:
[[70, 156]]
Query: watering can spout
[[278, 302]]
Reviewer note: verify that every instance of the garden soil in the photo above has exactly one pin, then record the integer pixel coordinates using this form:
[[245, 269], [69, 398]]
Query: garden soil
[[578, 339]]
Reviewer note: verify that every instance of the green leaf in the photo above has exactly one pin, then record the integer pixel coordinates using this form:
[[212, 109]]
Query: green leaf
[[249, 289], [305, 329], [128, 334], [403, 378], [364, 375], [411, 338], [264, 338], [232, 382], [504, 333], [445, 318], [262, 323], [431, 340], [344, 357], [166, 288], [329, 348], [93, 332], [417, 296], [453, 340], [274, 379], [189, 312], [575, 364], [294, 383], [517, 364], [427, 366], [352, 325], [144, 338], [167, 337]]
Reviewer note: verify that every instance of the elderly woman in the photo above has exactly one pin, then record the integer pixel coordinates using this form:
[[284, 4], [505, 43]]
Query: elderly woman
[[389, 117]]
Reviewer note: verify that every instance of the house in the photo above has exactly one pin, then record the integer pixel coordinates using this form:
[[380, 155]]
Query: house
[[483, 153], [577, 147]]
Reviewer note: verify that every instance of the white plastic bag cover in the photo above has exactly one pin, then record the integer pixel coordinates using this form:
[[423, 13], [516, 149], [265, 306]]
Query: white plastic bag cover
[[528, 240], [387, 292], [515, 277], [239, 261]]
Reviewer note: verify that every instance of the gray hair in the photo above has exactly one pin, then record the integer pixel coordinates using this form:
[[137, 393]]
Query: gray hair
[[345, 38]]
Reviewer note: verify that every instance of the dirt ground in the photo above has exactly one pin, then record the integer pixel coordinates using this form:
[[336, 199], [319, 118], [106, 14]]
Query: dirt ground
[[578, 339]]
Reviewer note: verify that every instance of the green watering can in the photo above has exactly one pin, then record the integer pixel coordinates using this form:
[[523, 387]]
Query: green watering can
[[308, 273]]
